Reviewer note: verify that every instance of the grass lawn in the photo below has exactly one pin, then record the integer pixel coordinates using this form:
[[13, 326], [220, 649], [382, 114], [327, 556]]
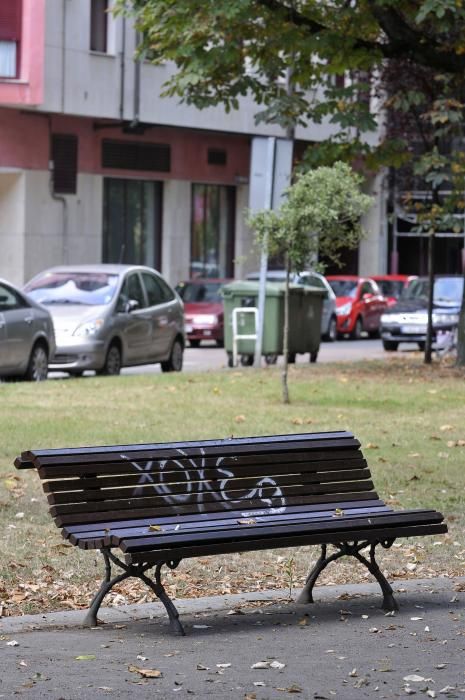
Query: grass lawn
[[409, 418]]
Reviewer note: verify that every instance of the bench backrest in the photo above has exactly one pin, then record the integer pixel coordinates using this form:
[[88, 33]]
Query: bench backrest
[[250, 476]]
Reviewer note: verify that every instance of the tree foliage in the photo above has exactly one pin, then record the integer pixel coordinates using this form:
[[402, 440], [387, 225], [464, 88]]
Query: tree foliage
[[320, 215]]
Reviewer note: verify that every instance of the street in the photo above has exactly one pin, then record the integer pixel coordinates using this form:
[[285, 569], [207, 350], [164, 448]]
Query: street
[[209, 357]]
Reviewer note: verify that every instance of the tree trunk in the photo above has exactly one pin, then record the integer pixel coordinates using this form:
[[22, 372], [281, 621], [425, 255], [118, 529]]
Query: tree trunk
[[429, 327], [461, 332], [286, 334]]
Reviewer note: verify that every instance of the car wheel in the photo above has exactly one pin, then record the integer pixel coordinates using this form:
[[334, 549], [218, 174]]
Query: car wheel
[[374, 334], [291, 357], [358, 328], [174, 364], [194, 343], [220, 342], [37, 368], [331, 333], [314, 356], [421, 345], [112, 366], [390, 345]]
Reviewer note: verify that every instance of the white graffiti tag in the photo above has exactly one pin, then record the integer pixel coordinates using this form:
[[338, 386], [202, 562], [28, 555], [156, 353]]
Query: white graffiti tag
[[183, 481]]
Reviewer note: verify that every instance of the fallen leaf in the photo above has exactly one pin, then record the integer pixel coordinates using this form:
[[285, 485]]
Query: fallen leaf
[[86, 657], [154, 528], [239, 419], [13, 643], [413, 678], [145, 672], [247, 521]]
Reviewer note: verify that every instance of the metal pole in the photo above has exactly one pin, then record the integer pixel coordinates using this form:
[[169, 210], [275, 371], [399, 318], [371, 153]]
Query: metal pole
[[264, 253]]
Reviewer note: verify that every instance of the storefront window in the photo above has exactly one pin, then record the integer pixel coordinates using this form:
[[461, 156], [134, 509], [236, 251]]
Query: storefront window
[[132, 222], [212, 236]]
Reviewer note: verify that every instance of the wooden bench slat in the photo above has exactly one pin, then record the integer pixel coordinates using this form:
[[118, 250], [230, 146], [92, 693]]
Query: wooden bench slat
[[126, 474], [268, 493], [67, 518], [222, 450], [112, 536], [295, 540], [189, 518], [264, 529], [72, 452], [203, 486]]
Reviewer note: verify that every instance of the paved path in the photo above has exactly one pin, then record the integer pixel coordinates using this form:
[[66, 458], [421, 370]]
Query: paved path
[[342, 647]]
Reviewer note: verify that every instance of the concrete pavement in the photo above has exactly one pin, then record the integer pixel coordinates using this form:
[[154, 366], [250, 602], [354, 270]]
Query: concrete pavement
[[248, 646]]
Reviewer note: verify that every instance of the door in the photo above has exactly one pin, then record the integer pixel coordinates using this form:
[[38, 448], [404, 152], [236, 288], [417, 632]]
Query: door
[[17, 329], [134, 321], [162, 307]]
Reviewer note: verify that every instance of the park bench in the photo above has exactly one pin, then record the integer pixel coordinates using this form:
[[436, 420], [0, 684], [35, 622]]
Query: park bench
[[161, 503]]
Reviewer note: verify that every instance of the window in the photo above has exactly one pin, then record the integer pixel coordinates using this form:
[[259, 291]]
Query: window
[[99, 25], [10, 37], [131, 155], [212, 233], [64, 157], [132, 222], [9, 299], [157, 290], [131, 291], [217, 156]]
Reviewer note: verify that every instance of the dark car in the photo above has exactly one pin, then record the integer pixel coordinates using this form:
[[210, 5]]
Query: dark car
[[406, 321], [203, 309], [111, 316], [359, 305], [27, 339]]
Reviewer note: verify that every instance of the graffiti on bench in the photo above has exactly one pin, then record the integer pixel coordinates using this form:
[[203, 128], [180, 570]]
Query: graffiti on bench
[[195, 484]]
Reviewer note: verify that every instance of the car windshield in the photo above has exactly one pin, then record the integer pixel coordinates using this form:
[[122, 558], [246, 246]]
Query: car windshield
[[194, 292], [90, 288], [445, 289], [344, 288], [390, 288]]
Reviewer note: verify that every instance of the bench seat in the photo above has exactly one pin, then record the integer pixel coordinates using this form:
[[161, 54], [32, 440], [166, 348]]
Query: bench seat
[[160, 503]]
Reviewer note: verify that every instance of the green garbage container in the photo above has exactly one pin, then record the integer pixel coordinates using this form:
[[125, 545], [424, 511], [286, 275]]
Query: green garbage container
[[305, 306]]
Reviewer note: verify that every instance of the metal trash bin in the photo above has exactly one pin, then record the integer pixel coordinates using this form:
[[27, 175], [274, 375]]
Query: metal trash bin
[[305, 307]]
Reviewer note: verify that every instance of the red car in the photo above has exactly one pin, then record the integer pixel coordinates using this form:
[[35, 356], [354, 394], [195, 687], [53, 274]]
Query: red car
[[203, 310], [392, 286], [359, 305]]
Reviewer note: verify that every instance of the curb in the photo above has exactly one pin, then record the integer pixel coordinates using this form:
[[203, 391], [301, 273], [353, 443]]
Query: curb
[[120, 614]]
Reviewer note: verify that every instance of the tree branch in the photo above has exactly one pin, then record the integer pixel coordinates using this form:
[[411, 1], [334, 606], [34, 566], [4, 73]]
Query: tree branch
[[402, 40]]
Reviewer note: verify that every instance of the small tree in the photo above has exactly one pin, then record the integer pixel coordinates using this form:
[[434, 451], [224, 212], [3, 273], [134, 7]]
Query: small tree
[[320, 216]]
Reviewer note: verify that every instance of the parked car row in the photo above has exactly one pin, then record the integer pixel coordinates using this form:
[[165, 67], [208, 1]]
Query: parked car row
[[105, 317]]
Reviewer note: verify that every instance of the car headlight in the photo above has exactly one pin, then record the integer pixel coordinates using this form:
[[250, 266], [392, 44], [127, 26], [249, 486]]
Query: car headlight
[[445, 319], [205, 319], [344, 310], [89, 328]]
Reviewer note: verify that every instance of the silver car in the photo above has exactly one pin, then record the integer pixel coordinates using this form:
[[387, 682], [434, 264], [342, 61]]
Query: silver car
[[26, 335], [313, 279], [111, 316]]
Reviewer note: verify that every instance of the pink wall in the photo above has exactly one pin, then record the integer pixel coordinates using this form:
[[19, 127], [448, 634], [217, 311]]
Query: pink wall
[[24, 143], [28, 89]]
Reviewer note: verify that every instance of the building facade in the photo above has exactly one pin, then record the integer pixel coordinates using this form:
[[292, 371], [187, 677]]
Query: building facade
[[96, 167]]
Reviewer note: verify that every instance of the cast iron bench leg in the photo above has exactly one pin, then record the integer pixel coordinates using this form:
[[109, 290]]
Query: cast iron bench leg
[[90, 619], [158, 589], [347, 549]]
